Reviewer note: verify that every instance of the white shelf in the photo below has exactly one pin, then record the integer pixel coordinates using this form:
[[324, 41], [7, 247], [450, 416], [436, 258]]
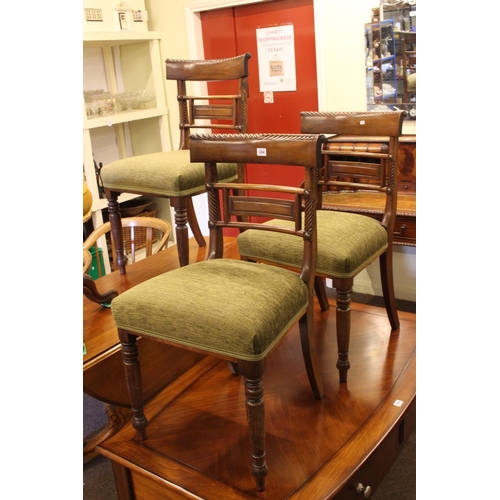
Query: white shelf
[[112, 38], [124, 117], [118, 141]]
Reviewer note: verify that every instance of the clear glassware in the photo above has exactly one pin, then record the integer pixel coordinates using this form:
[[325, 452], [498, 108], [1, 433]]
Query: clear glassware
[[142, 97], [126, 99]]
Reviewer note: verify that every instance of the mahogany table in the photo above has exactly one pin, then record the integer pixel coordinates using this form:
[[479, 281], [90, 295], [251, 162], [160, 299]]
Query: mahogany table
[[197, 440], [103, 375]]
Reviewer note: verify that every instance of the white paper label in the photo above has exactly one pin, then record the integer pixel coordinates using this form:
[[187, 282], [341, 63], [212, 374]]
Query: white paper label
[[261, 152]]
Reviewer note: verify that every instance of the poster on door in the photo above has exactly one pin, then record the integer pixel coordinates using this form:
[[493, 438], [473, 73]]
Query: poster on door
[[276, 57]]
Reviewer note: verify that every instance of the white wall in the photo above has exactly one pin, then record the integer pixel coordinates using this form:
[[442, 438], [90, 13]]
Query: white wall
[[339, 28]]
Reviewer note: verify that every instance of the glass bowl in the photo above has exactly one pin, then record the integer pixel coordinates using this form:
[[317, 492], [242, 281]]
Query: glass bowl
[[141, 98], [126, 99]]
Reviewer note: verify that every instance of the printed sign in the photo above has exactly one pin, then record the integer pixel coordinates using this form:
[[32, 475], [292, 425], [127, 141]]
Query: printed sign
[[276, 57]]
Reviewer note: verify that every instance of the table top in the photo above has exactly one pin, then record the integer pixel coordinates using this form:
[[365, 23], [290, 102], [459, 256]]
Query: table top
[[99, 331], [365, 201]]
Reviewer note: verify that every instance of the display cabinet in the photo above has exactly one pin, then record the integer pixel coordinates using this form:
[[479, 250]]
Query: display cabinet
[[391, 59], [116, 63], [380, 63], [406, 41]]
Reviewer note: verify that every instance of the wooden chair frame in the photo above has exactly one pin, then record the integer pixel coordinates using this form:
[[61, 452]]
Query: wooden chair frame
[[240, 202], [360, 156], [216, 112]]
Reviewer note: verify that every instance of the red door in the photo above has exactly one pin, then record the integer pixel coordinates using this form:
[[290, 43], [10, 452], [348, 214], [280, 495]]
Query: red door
[[232, 31]]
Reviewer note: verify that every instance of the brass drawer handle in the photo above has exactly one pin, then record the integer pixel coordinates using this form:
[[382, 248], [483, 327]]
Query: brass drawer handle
[[402, 230], [365, 490]]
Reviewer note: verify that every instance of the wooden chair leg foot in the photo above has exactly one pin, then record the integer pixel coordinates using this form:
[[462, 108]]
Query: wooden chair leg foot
[[254, 392], [344, 287], [130, 356], [343, 366], [260, 482]]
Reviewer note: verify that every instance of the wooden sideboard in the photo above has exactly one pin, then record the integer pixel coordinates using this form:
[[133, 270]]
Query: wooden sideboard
[[405, 229]]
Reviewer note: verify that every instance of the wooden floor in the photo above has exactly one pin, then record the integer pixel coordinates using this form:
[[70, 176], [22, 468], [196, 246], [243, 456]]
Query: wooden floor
[[197, 439]]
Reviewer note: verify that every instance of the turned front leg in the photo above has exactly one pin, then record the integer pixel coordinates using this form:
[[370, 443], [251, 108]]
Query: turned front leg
[[343, 287], [254, 392], [130, 355], [181, 229]]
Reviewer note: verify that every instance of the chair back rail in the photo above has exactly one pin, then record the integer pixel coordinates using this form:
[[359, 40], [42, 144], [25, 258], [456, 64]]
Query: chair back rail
[[371, 123], [241, 201], [227, 111], [361, 153], [208, 70]]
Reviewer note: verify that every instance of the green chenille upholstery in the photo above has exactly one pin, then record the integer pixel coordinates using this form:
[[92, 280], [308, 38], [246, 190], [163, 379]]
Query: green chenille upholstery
[[346, 244], [225, 306], [169, 173]]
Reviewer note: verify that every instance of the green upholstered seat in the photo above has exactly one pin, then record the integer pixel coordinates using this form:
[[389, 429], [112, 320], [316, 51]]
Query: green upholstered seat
[[168, 174], [224, 310], [347, 243]]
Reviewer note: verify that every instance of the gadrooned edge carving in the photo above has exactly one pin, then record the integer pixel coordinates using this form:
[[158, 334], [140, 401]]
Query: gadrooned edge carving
[[346, 113], [266, 137], [205, 61]]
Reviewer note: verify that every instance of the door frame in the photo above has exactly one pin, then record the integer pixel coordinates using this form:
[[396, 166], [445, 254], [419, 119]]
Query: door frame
[[192, 15]]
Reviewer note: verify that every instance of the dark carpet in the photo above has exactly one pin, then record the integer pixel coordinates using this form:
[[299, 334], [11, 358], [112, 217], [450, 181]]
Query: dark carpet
[[399, 484]]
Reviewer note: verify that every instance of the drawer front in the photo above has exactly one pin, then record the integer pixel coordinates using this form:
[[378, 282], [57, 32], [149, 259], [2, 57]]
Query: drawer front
[[407, 187], [407, 164], [405, 230], [372, 473]]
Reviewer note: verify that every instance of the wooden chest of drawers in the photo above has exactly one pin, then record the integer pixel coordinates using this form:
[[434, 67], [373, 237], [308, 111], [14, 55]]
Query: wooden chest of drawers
[[372, 204]]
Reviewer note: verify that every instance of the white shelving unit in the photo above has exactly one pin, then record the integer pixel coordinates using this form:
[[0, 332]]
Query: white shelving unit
[[104, 62]]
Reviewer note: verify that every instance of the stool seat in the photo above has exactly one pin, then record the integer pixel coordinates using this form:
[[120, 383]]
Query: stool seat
[[167, 173], [225, 310]]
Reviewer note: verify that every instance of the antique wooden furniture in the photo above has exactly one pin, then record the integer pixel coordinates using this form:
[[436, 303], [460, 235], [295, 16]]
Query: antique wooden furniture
[[103, 296], [170, 174], [405, 226], [144, 229], [103, 375], [198, 445], [235, 310], [359, 160]]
